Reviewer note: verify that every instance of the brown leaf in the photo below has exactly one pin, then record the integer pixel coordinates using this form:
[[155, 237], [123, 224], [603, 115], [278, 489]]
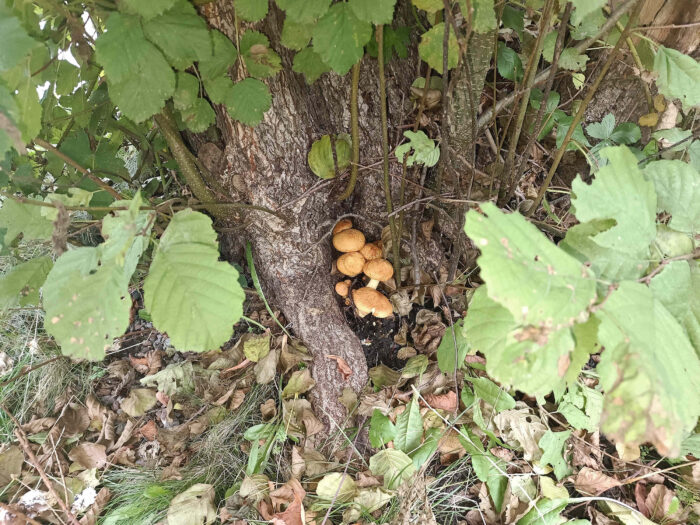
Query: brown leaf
[[91, 515], [658, 504], [39, 425], [343, 366], [11, 460], [73, 420], [593, 482], [237, 399], [298, 463], [268, 409], [446, 401], [89, 455], [149, 430]]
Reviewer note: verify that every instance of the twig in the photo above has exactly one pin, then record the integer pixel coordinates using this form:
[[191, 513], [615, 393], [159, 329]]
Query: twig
[[687, 257], [256, 283], [354, 131], [65, 158], [24, 443], [487, 115], [31, 369], [395, 239], [584, 104]]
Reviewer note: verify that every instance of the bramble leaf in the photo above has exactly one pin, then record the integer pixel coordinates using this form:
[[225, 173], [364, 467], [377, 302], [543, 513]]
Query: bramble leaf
[[553, 445], [189, 293], [677, 186], [339, 38], [296, 36], [248, 101], [16, 43], [146, 9], [484, 17], [374, 11], [251, 10], [27, 219], [430, 48], [304, 11], [310, 64], [509, 64], [260, 60], [140, 79], [223, 56], [425, 151]]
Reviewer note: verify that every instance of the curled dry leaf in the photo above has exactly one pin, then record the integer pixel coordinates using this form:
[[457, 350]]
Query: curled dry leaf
[[446, 401], [662, 505], [593, 482], [89, 455], [268, 409], [521, 429], [343, 366]]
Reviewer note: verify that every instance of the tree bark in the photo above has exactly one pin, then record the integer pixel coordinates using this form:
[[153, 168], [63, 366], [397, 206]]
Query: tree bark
[[270, 160]]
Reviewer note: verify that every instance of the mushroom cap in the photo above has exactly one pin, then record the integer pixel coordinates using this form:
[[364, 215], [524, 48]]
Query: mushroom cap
[[350, 263], [349, 240], [378, 269], [342, 224], [343, 287], [370, 301], [371, 251]]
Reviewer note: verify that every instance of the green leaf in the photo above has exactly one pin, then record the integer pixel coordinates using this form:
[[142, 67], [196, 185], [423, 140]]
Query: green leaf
[[223, 56], [649, 371], [428, 447], [553, 445], [509, 64], [296, 36], [602, 130], [679, 76], [140, 79], [186, 91], [248, 101], [29, 110], [415, 366], [320, 157], [199, 116], [260, 60], [374, 11], [536, 281], [104, 159], [310, 64], [620, 192], [20, 286], [304, 11], [251, 10], [569, 57], [490, 392], [545, 512], [395, 41], [584, 8], [174, 378], [677, 186], [393, 465], [16, 43], [409, 428], [86, 294], [483, 17], [189, 293], [146, 9], [381, 429], [336, 487], [180, 34], [339, 38], [563, 125], [218, 88], [430, 48], [446, 353], [425, 151], [487, 467], [626, 133], [430, 6], [27, 219], [513, 18], [582, 407]]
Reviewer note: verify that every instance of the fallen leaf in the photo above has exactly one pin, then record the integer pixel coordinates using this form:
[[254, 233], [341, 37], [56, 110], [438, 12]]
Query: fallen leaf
[[149, 430], [406, 353], [139, 401], [343, 366], [257, 347], [662, 505], [91, 515], [266, 368], [237, 399], [89, 455], [268, 409], [195, 505], [11, 460], [74, 420], [522, 430], [299, 383], [446, 401], [337, 487], [593, 482]]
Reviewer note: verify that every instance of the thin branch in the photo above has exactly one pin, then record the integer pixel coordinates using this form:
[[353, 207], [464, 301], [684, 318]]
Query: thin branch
[[65, 158], [584, 104], [24, 443]]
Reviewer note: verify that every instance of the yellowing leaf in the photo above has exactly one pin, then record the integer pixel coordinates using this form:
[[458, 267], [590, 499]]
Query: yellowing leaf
[[336, 486], [430, 48], [139, 401], [298, 383], [195, 505]]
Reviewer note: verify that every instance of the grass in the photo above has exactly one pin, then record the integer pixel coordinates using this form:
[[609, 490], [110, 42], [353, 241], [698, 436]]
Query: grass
[[139, 497]]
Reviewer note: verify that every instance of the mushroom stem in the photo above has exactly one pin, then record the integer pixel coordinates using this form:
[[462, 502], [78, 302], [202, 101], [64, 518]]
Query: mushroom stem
[[373, 283]]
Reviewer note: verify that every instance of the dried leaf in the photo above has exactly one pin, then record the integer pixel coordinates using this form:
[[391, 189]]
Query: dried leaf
[[521, 429], [139, 401], [593, 482], [663, 505], [149, 430], [195, 505], [343, 366], [11, 460], [89, 455], [299, 383], [268, 409], [267, 366], [446, 401]]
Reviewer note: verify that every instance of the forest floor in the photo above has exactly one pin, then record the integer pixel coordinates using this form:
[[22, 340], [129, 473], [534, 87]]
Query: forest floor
[[153, 435]]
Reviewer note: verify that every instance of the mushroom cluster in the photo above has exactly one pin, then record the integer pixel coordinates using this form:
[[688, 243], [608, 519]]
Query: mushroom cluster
[[359, 256]]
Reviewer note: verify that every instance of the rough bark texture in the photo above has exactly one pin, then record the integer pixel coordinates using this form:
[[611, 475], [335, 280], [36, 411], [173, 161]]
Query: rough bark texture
[[268, 165]]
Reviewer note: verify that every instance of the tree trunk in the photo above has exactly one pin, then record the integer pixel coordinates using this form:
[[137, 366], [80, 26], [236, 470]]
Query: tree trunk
[[270, 159]]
